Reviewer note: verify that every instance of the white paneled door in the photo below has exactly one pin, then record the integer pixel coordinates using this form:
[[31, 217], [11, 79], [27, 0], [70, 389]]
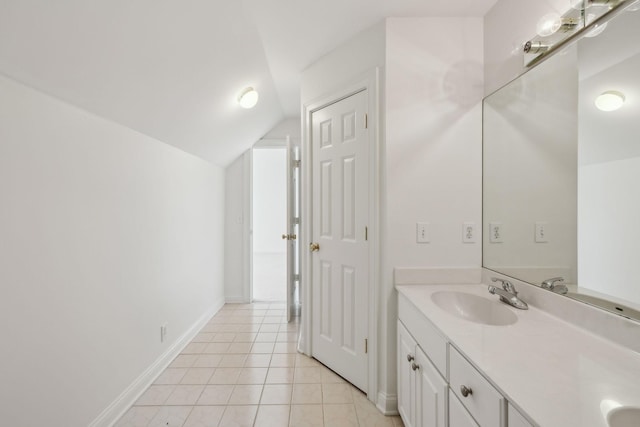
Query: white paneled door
[[340, 278]]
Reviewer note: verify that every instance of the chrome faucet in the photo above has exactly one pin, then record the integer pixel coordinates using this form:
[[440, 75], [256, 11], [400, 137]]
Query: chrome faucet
[[550, 284], [508, 294]]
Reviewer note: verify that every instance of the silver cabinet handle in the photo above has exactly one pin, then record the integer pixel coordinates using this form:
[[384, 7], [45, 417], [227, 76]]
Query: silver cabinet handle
[[410, 358], [466, 391], [415, 367]]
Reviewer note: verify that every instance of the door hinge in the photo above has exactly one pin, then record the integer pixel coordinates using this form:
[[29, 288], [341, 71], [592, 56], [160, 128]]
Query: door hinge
[[296, 220], [366, 233], [295, 163], [296, 277], [366, 345], [366, 121]]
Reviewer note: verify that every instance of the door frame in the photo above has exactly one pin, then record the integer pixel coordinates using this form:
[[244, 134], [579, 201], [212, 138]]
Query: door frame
[[369, 81]]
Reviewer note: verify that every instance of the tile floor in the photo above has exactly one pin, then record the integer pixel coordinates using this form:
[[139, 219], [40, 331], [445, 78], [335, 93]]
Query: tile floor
[[242, 369]]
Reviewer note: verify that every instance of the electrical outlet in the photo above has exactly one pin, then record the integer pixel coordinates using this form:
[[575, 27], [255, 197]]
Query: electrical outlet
[[541, 233], [422, 232], [468, 232], [495, 232], [163, 332]]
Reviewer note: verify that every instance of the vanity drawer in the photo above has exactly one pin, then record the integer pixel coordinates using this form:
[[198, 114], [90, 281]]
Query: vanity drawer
[[483, 401], [425, 334]]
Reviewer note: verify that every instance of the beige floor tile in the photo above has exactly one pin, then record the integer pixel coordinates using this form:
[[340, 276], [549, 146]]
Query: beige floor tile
[[257, 361], [307, 394], [239, 347], [239, 416], [280, 375], [306, 416], [269, 328], [368, 415], [341, 415], [138, 416], [171, 376], [185, 395], [272, 416], [207, 361], [197, 376], [230, 328], [249, 328], [274, 319], [266, 337], [203, 337], [276, 394], [171, 416], [155, 395], [224, 337], [245, 337], [205, 416], [215, 395], [183, 361], [194, 348], [302, 360], [225, 376], [216, 348], [262, 347], [287, 337], [308, 375], [283, 360], [286, 347], [328, 376], [246, 394], [336, 393], [232, 361], [397, 421], [252, 376]]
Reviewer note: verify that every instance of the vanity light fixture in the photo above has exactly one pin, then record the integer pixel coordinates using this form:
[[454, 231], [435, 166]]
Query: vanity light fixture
[[610, 100], [248, 98]]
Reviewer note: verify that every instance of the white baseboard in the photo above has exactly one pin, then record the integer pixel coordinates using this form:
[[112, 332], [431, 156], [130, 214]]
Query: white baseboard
[[235, 300], [387, 403], [118, 407]]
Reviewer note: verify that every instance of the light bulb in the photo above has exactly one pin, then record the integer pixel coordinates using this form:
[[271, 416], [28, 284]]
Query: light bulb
[[248, 98], [596, 29], [610, 100], [548, 24]]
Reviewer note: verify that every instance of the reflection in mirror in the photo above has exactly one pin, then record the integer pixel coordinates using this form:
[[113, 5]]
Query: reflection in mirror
[[561, 185]]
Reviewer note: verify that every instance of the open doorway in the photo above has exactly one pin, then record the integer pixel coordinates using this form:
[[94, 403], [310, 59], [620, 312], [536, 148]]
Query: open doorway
[[269, 223]]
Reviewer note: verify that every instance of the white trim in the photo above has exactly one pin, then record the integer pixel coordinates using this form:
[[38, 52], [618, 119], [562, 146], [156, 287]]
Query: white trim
[[247, 229], [122, 403], [239, 299], [388, 403], [369, 81]]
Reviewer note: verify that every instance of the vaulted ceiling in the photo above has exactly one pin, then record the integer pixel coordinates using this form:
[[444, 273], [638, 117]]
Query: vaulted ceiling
[[172, 69]]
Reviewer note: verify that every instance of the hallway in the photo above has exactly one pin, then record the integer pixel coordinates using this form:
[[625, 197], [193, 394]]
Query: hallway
[[242, 369]]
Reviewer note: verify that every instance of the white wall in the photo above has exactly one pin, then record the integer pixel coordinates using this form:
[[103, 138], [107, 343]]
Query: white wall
[[507, 26], [269, 200], [237, 239], [433, 145], [105, 234]]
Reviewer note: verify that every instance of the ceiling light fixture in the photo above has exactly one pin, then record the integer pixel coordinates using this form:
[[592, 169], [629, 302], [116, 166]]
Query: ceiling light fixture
[[610, 100], [248, 98]]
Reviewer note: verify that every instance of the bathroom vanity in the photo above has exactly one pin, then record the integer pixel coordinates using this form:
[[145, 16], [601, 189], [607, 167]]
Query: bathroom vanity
[[467, 359]]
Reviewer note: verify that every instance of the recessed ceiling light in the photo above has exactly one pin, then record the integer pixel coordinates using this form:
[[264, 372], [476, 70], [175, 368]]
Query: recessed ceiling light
[[610, 100], [248, 98]]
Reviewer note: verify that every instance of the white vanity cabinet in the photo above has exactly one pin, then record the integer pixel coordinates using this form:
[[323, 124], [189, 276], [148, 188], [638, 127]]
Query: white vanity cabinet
[[438, 386], [422, 391]]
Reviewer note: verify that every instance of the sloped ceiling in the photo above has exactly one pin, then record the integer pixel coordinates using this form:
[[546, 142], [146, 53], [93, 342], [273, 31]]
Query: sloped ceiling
[[173, 69]]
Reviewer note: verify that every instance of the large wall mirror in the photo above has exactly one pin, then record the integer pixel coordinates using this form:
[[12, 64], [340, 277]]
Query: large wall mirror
[[561, 185]]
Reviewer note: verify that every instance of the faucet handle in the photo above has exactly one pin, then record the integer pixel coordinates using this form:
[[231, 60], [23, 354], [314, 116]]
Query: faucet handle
[[550, 283], [506, 285]]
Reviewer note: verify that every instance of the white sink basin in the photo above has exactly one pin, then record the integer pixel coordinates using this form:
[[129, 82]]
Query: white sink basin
[[624, 416], [474, 308]]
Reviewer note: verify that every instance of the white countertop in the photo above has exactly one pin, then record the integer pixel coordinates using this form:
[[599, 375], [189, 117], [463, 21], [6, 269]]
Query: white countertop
[[557, 373]]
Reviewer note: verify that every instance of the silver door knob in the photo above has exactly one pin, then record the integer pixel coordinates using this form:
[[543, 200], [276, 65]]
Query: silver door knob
[[314, 247]]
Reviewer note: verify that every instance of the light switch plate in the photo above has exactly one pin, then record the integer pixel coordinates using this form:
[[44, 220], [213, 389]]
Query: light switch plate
[[422, 232], [541, 232]]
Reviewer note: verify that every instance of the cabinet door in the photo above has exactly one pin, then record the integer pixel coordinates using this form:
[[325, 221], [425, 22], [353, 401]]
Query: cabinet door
[[431, 393], [406, 377], [458, 415]]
